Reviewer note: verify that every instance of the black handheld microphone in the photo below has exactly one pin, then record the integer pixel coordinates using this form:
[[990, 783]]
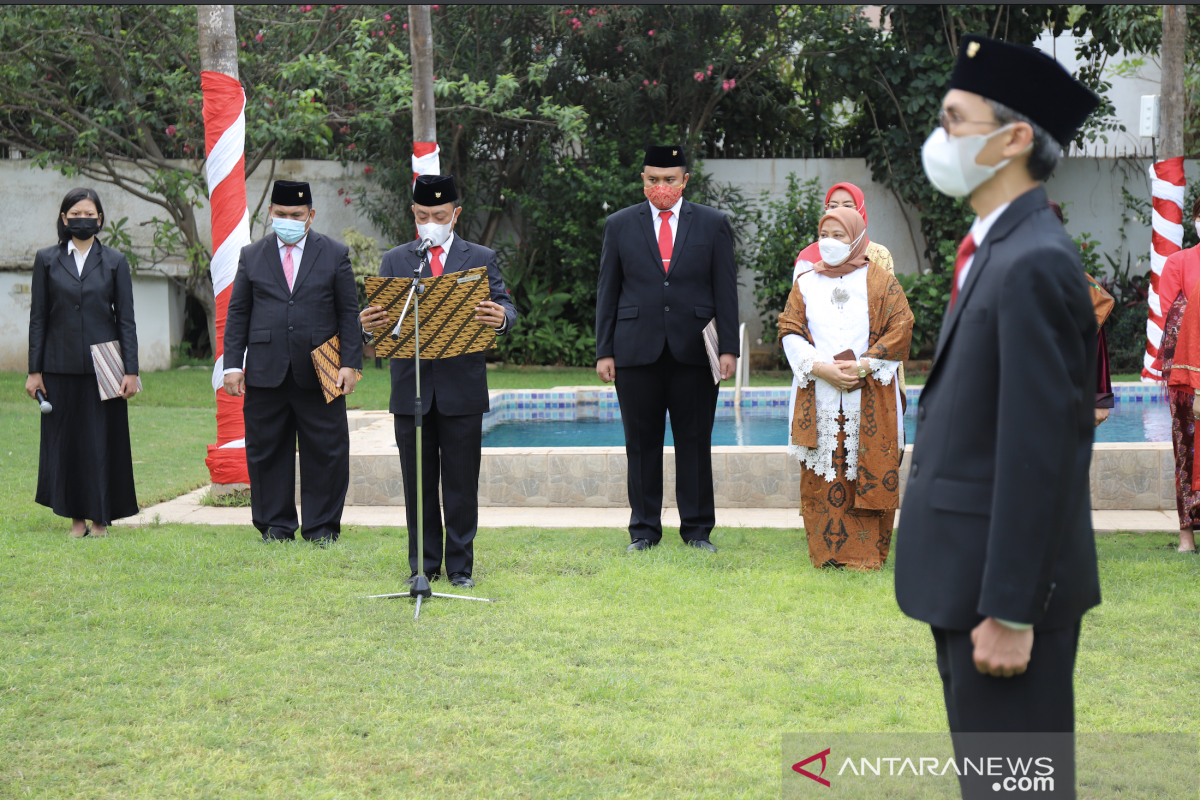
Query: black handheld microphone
[[43, 402]]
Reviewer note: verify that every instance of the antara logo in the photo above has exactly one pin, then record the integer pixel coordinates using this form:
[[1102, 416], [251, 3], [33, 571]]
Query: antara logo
[[799, 767]]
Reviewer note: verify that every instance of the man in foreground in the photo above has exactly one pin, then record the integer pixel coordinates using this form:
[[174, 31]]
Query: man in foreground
[[666, 270], [293, 292], [995, 549], [454, 393]]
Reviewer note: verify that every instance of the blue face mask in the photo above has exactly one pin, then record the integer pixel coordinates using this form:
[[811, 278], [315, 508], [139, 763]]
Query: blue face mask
[[289, 231]]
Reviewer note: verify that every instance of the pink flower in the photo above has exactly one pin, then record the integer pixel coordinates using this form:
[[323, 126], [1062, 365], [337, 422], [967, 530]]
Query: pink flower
[[191, 102], [387, 17], [405, 26], [600, 24], [350, 146], [187, 148], [574, 20], [367, 170], [258, 37], [345, 129], [591, 12], [620, 47], [243, 44], [725, 85], [651, 33], [698, 76], [172, 130], [347, 201], [656, 83], [435, 8], [645, 83]]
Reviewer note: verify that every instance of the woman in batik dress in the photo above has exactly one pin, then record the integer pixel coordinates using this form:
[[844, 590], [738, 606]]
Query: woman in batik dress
[[1179, 360], [847, 425]]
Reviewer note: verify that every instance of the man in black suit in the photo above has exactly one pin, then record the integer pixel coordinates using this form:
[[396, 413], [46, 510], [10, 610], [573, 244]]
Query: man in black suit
[[996, 550], [454, 393], [666, 270], [294, 290]]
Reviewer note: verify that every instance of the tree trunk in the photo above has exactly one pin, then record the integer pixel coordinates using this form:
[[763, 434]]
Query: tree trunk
[[420, 38], [1171, 105], [218, 53]]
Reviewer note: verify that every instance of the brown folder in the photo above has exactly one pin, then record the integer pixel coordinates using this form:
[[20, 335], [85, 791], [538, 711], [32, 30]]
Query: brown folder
[[848, 355], [327, 359], [1102, 301]]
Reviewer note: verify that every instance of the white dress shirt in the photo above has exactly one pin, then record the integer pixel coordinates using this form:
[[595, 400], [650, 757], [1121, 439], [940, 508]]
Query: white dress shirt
[[979, 232], [674, 219], [80, 258], [297, 255]]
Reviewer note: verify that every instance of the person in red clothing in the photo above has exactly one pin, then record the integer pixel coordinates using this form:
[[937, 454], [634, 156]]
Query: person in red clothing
[[1179, 360]]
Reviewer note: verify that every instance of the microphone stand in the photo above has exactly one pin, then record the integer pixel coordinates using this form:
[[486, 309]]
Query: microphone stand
[[420, 583]]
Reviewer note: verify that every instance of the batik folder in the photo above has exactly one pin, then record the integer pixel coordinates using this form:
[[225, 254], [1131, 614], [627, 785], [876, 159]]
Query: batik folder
[[327, 360], [447, 312]]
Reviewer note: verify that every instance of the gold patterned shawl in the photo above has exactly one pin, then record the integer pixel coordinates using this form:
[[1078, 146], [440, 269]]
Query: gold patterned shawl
[[890, 339]]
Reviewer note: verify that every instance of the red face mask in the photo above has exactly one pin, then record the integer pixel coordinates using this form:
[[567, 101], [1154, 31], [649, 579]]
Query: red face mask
[[662, 196]]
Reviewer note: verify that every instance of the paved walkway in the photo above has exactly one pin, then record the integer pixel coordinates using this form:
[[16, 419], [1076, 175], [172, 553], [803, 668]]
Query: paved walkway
[[187, 509]]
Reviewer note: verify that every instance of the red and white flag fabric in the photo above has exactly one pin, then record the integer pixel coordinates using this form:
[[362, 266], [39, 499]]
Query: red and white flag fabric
[[1166, 238], [426, 159], [225, 173]]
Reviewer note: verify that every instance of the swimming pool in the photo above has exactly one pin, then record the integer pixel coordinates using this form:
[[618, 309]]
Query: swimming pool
[[592, 418]]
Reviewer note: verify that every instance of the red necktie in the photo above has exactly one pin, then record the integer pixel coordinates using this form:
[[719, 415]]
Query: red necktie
[[666, 242], [435, 261], [966, 249]]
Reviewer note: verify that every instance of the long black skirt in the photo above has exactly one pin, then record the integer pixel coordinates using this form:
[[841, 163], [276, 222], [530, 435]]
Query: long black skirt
[[86, 467]]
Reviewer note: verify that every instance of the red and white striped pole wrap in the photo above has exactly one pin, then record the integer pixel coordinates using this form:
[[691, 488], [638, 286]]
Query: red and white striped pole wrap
[[425, 160], [1166, 238], [225, 146]]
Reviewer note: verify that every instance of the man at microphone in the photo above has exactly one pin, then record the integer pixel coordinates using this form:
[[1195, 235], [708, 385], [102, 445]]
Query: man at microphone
[[454, 393]]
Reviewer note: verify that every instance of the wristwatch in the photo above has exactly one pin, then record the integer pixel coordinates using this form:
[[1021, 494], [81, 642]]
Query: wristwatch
[[863, 371]]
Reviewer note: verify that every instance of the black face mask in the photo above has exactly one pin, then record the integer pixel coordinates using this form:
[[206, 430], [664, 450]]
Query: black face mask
[[83, 227]]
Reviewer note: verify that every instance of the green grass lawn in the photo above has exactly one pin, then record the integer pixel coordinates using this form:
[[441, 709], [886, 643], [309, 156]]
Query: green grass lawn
[[188, 661]]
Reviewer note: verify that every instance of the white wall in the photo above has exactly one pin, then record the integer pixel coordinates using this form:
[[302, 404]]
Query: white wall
[[157, 306]]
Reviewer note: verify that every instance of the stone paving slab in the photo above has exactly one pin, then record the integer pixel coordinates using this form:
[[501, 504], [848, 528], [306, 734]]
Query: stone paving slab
[[187, 509]]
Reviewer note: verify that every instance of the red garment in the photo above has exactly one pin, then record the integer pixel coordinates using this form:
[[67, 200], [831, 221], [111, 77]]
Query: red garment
[[1182, 373], [812, 254], [1180, 273], [966, 249], [666, 242], [435, 261]]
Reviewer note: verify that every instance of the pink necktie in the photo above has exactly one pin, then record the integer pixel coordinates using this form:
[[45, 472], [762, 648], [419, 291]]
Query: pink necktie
[[289, 269]]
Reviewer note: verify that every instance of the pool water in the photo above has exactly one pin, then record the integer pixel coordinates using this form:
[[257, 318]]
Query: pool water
[[1128, 422]]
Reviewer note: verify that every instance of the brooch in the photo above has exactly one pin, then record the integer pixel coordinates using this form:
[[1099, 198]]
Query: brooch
[[840, 297]]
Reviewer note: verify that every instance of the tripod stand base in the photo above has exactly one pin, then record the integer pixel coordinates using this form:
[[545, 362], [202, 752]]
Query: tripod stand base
[[420, 590]]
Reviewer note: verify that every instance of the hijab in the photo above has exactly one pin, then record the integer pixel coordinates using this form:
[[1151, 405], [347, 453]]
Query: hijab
[[856, 228], [812, 254]]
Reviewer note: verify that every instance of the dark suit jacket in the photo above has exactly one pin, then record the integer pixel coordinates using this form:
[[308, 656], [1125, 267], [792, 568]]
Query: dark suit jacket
[[640, 308], [459, 383], [274, 328], [996, 518], [69, 313]]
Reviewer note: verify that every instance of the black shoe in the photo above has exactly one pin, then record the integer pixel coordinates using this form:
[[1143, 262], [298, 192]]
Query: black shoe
[[461, 580], [430, 576], [702, 544], [278, 535], [640, 544]]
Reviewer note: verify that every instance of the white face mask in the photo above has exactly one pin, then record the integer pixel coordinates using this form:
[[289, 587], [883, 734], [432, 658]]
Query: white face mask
[[1197, 224], [436, 234], [835, 251], [950, 164]]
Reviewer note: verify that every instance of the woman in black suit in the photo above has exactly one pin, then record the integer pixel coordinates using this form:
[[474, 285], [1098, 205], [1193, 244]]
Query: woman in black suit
[[82, 295]]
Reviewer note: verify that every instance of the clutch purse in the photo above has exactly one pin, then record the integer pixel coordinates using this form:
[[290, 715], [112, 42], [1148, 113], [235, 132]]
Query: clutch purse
[[327, 360], [848, 355], [110, 369], [1102, 301]]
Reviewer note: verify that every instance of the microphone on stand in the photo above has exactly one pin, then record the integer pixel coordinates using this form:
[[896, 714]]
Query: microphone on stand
[[423, 248], [43, 402]]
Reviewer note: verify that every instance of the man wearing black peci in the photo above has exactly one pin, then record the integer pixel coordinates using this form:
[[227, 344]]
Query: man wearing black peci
[[996, 549], [666, 270], [454, 393], [294, 290]]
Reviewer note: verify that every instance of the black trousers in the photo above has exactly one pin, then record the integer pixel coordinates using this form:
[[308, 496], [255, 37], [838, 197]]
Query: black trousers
[[450, 450], [1041, 700], [646, 395], [85, 468], [275, 418]]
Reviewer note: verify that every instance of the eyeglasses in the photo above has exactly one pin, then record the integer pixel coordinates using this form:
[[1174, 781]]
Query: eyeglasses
[[947, 120]]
